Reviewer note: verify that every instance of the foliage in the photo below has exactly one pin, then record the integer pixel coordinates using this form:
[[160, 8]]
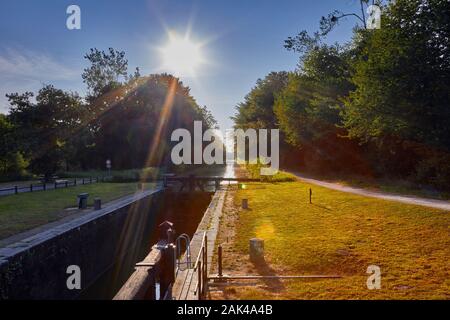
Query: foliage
[[130, 175], [44, 128], [12, 163], [105, 71], [125, 118], [378, 105], [257, 109], [148, 113], [403, 77], [254, 171]]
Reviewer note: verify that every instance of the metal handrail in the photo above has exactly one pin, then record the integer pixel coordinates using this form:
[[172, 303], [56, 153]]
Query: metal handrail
[[199, 254], [188, 261], [201, 267]]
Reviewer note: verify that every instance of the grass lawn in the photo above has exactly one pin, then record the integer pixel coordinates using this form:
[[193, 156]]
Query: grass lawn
[[25, 211], [394, 186], [339, 233]]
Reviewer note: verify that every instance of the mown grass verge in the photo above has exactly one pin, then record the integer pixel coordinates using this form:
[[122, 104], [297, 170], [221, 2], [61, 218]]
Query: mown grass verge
[[25, 211], [338, 234]]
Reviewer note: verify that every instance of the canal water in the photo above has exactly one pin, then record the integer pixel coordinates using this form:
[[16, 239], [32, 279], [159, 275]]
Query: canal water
[[184, 210]]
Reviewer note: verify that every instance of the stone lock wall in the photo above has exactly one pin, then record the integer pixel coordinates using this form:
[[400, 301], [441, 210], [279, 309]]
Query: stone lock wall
[[35, 268]]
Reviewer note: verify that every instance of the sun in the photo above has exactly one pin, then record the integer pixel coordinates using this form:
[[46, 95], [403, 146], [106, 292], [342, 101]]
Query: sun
[[181, 55]]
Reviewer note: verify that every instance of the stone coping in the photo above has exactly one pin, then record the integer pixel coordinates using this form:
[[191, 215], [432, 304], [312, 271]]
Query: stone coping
[[186, 281]]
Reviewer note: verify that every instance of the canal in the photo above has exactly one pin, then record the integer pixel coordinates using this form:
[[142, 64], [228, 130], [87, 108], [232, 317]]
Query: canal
[[184, 210]]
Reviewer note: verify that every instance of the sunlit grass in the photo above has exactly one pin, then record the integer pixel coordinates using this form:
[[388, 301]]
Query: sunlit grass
[[343, 234], [254, 172], [24, 211]]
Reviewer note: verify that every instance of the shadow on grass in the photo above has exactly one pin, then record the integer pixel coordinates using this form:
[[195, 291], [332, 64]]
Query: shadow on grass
[[321, 207], [264, 269]]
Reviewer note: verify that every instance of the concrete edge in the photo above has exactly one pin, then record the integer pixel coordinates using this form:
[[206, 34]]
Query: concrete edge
[[186, 281]]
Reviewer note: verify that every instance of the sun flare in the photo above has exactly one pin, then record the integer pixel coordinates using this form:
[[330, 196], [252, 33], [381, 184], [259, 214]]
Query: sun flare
[[181, 55]]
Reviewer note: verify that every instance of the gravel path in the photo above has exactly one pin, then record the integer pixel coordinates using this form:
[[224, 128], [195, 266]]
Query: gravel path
[[439, 204]]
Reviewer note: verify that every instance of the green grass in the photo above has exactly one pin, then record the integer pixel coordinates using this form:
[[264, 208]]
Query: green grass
[[25, 211], [343, 234]]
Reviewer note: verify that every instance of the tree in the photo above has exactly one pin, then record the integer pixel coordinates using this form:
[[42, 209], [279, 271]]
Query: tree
[[402, 79], [12, 163], [303, 42], [106, 71], [44, 129], [135, 130], [257, 110]]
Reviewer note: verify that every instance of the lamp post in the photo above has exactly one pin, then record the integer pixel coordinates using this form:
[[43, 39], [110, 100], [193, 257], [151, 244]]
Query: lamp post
[[108, 166]]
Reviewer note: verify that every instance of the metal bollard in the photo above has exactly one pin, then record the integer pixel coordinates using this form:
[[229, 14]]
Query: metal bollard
[[82, 200], [97, 204], [244, 203], [256, 249]]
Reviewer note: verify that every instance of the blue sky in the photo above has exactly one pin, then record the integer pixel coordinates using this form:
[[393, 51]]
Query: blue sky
[[244, 41]]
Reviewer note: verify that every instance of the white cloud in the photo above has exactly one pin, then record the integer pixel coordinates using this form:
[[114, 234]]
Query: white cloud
[[33, 66], [26, 70]]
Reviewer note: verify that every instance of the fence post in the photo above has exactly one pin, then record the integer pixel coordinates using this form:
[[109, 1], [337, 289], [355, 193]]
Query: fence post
[[31, 187], [217, 182], [44, 186], [16, 190], [204, 270], [219, 260], [199, 276], [75, 182], [205, 266], [82, 181], [191, 182], [90, 180], [167, 276], [67, 184], [56, 185]]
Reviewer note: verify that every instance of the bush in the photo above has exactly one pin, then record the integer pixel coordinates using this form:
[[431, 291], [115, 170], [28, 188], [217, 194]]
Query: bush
[[254, 171], [131, 175], [14, 167], [434, 171]]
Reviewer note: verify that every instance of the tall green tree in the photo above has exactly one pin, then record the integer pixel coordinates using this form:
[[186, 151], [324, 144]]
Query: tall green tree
[[44, 129], [257, 109], [135, 131], [402, 78], [107, 70], [12, 163]]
